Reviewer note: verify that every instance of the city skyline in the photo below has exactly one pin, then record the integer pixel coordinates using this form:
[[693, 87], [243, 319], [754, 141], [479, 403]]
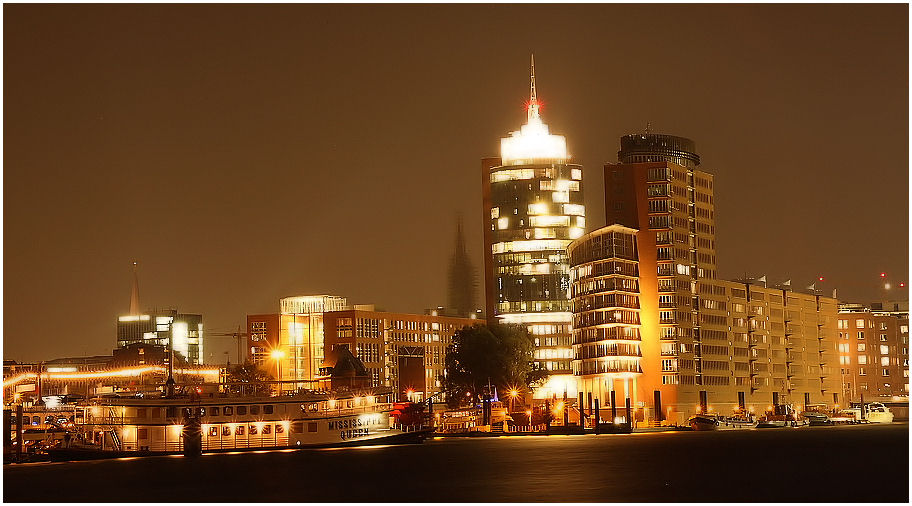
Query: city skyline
[[336, 143]]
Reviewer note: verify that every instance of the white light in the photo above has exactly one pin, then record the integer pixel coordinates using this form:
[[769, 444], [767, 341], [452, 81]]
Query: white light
[[538, 208], [61, 369], [556, 317], [574, 209], [549, 221], [534, 245], [179, 337], [503, 223], [532, 142], [576, 232]]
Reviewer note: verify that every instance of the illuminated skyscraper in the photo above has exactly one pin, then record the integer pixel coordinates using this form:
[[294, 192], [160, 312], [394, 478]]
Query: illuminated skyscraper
[[533, 208]]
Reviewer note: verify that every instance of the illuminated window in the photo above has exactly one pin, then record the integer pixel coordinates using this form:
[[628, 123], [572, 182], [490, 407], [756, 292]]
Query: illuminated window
[[862, 359], [267, 429], [213, 431], [884, 361], [861, 346], [576, 174], [226, 431], [859, 324], [239, 430], [495, 213], [884, 349]]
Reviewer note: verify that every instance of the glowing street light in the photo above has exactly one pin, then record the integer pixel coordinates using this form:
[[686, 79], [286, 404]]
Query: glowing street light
[[278, 355]]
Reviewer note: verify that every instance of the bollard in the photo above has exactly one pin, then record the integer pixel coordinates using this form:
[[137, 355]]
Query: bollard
[[192, 434], [598, 419]]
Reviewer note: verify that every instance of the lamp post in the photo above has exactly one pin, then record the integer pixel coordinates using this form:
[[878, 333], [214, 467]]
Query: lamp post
[[513, 394], [278, 355]]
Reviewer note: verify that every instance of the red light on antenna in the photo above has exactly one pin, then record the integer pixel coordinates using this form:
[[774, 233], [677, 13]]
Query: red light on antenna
[[902, 285], [883, 274], [820, 278]]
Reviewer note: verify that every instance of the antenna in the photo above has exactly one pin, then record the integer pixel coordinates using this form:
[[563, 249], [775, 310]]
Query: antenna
[[533, 98]]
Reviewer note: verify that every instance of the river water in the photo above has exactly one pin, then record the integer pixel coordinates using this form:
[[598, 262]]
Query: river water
[[847, 463]]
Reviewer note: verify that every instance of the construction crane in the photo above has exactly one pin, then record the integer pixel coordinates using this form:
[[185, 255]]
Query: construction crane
[[239, 336]]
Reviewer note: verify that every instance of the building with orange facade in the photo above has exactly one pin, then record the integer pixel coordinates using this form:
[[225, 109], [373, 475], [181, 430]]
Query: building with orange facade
[[706, 344], [290, 344], [873, 353], [405, 352]]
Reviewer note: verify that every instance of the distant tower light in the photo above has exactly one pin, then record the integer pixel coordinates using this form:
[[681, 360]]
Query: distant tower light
[[820, 278], [883, 274]]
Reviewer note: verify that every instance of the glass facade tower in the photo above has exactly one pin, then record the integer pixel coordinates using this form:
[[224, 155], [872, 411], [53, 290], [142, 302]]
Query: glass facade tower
[[533, 210]]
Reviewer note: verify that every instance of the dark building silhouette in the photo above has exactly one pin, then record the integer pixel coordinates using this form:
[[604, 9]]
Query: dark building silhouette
[[461, 278]]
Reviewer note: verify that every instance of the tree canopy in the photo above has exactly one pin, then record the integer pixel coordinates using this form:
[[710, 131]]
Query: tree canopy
[[249, 373], [501, 354]]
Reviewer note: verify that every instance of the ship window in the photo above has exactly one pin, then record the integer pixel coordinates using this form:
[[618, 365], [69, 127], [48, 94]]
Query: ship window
[[254, 410], [242, 410], [171, 412], [267, 429], [229, 411], [213, 431], [239, 430], [214, 411], [253, 429], [311, 426], [279, 428], [141, 412], [226, 431], [142, 433], [36, 420], [267, 409]]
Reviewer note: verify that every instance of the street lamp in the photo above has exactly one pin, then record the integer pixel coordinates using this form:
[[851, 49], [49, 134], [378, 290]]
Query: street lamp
[[513, 394], [278, 355]]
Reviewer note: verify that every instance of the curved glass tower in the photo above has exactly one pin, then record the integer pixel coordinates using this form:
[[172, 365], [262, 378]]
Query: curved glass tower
[[533, 209]]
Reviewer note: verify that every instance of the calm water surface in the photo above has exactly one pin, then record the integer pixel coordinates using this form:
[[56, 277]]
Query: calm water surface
[[865, 464]]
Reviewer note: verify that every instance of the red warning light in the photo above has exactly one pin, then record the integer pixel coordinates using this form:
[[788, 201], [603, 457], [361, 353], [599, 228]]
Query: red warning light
[[883, 274], [820, 278]]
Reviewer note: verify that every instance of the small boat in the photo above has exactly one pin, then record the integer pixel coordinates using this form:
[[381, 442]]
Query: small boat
[[703, 422], [736, 422], [782, 415], [816, 418]]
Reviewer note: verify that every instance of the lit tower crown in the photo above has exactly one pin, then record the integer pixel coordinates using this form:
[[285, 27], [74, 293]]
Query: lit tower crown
[[532, 142]]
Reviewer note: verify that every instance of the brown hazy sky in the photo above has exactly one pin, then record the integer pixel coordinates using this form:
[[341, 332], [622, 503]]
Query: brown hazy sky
[[243, 153]]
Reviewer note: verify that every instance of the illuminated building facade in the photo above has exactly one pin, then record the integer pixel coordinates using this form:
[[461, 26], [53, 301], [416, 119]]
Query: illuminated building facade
[[873, 352], [606, 312], [164, 327], [708, 344], [405, 352], [533, 208], [289, 344]]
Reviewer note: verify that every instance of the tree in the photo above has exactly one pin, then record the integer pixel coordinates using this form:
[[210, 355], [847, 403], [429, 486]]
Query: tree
[[499, 354], [251, 374]]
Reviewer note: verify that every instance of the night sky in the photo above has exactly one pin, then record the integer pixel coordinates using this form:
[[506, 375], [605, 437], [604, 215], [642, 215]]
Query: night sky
[[244, 153]]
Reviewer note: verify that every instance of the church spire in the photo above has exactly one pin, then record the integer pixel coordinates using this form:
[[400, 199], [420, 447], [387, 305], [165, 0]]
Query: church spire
[[134, 294]]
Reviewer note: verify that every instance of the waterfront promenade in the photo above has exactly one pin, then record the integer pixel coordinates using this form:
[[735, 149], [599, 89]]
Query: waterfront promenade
[[849, 463]]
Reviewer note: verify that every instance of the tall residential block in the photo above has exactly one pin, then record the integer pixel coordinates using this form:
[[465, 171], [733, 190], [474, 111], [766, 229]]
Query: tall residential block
[[533, 209], [708, 344]]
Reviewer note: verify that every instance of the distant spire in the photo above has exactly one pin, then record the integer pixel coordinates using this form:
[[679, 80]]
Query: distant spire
[[461, 280], [134, 294], [647, 128], [533, 95]]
